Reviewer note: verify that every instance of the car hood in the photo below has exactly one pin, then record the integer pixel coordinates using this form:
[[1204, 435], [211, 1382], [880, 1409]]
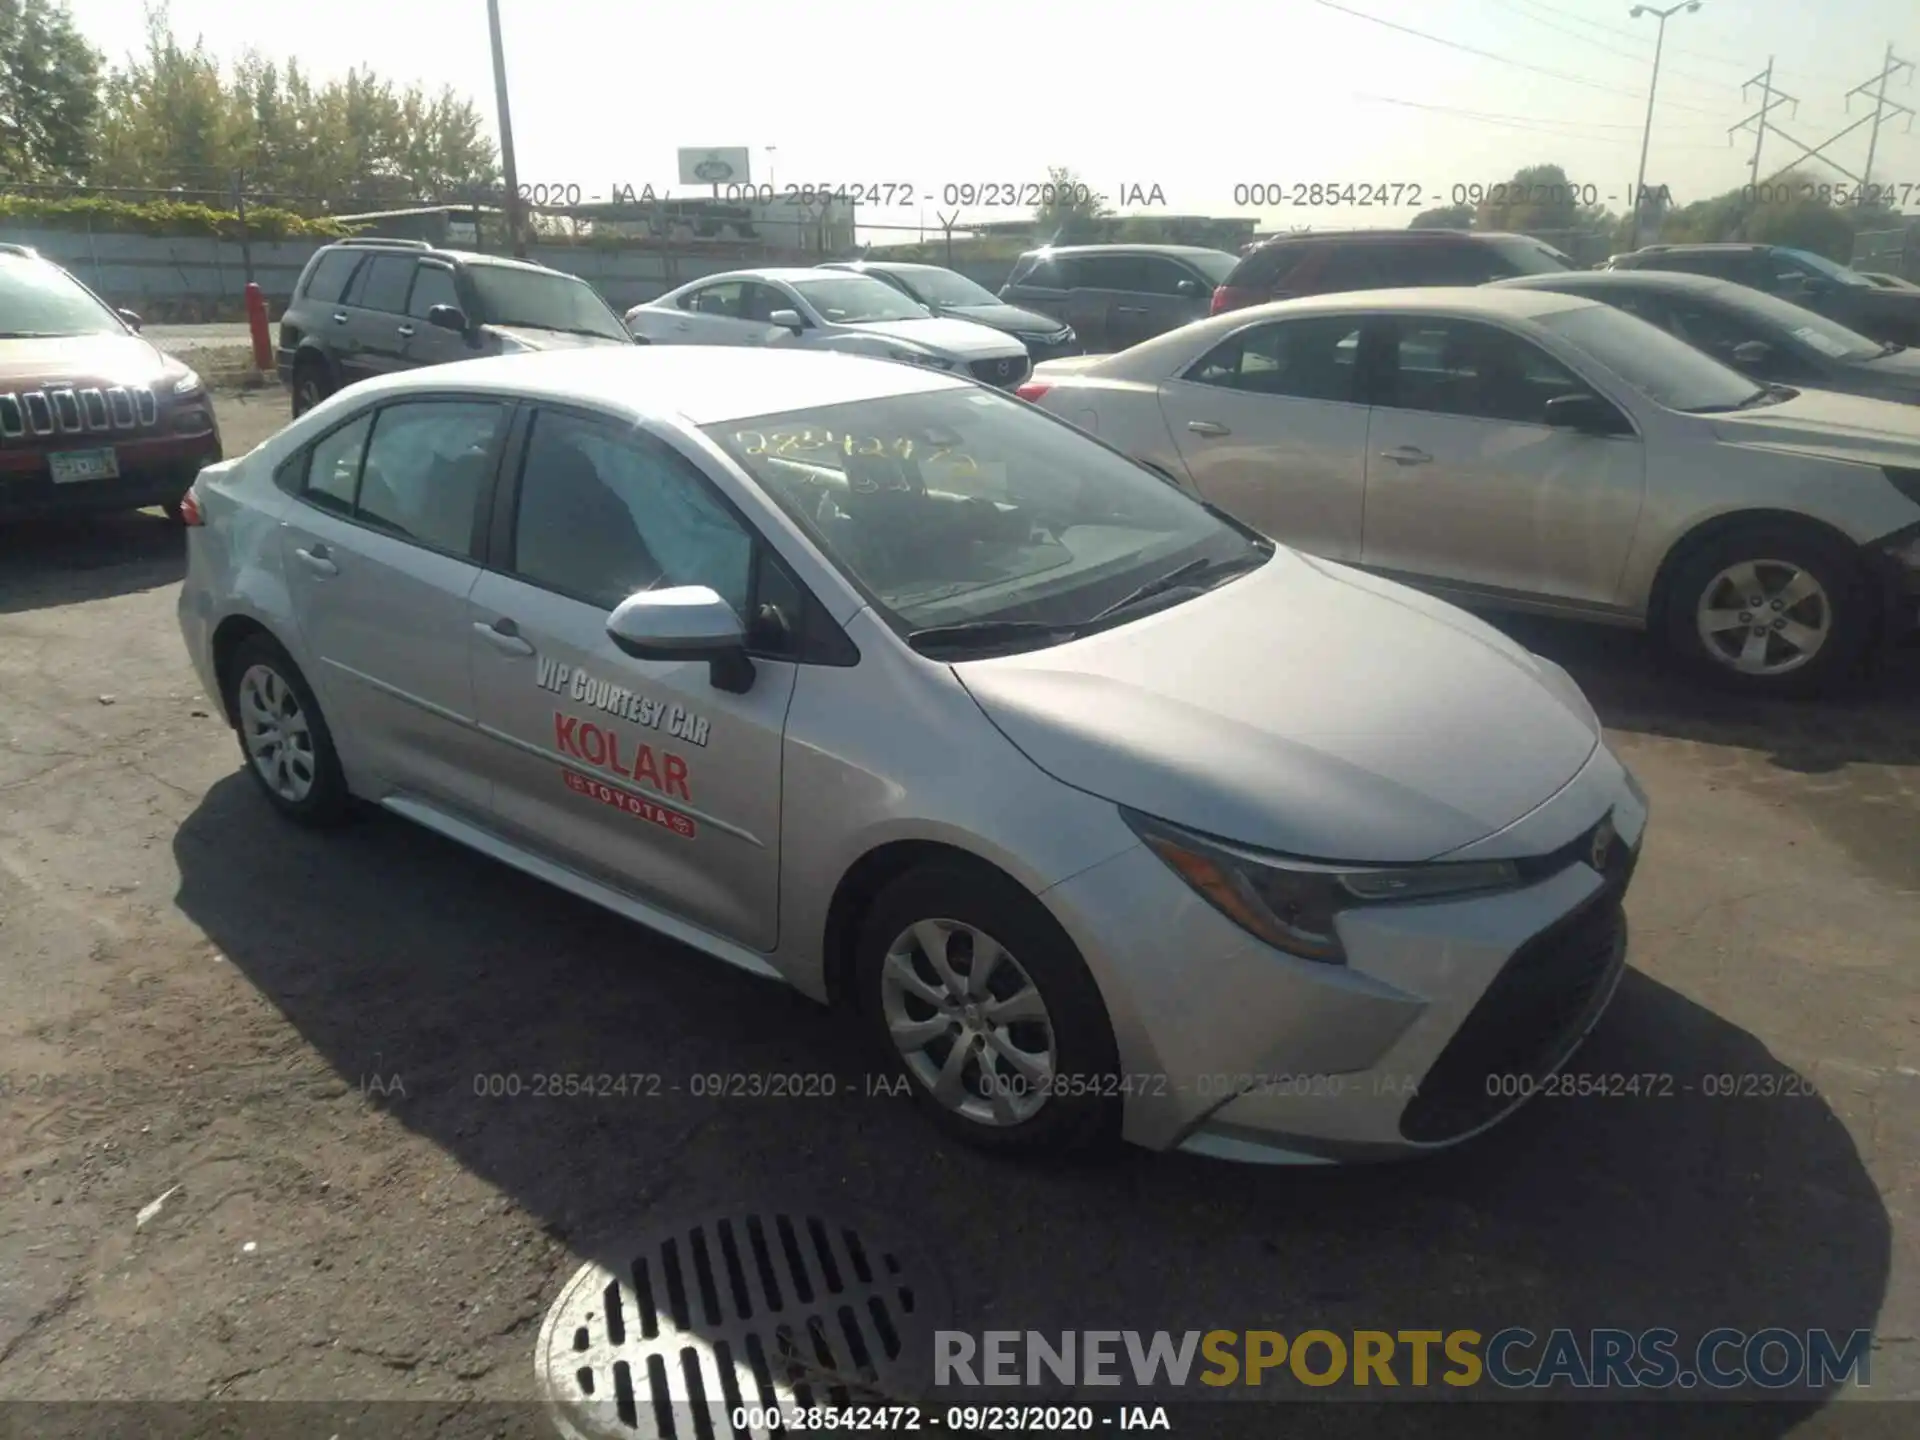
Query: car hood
[[1893, 375], [1857, 428], [1008, 318], [1305, 709], [960, 338], [80, 359], [532, 337]]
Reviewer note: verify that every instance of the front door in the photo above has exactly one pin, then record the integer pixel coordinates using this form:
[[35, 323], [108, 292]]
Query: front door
[[378, 556], [1467, 482], [377, 316], [640, 773], [425, 343], [1271, 428]]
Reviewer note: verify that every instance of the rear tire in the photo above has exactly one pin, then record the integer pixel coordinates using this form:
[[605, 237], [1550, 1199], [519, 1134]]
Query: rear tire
[[1770, 609], [311, 385], [1037, 1068], [284, 738]]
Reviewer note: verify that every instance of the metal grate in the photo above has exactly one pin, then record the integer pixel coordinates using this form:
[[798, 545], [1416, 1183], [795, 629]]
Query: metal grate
[[715, 1319]]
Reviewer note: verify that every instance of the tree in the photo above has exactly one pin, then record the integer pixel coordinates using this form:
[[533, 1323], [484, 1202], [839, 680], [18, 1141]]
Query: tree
[[1070, 211], [1444, 217], [49, 83]]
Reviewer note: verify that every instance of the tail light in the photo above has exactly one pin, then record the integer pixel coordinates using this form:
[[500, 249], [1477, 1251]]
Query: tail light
[[190, 509], [1032, 390], [1226, 298]]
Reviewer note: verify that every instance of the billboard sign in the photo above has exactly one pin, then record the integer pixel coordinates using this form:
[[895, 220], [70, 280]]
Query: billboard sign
[[714, 167]]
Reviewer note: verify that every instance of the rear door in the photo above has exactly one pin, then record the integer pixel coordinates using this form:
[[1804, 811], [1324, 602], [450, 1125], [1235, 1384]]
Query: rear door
[[1271, 426], [1045, 285], [1466, 482], [377, 325], [379, 556], [1106, 300], [434, 283], [716, 315], [638, 772]]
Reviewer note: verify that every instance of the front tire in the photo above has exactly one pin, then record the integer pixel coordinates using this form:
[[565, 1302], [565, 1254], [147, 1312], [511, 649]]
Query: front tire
[[284, 738], [968, 987], [1770, 609]]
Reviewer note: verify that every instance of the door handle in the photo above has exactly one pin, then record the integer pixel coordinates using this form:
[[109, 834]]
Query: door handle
[[1207, 427], [406, 332], [339, 317], [319, 560], [505, 636], [1407, 455]]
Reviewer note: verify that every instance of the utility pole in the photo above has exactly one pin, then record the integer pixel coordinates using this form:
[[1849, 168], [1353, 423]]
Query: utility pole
[[1769, 97], [514, 235], [1889, 66], [240, 211], [1653, 85]]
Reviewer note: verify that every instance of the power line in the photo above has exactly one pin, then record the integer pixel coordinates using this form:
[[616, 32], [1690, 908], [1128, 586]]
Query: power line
[[1560, 75], [1539, 123], [1678, 50], [1522, 10]]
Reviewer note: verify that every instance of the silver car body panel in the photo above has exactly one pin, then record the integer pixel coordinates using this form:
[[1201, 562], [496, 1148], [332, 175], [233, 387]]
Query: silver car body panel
[[1515, 514], [1479, 749]]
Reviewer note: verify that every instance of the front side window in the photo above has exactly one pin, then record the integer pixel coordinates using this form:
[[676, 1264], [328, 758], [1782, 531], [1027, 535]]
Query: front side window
[[1109, 272], [1461, 367], [383, 285], [541, 300], [1159, 276], [427, 468], [1806, 262], [1303, 359], [38, 299], [432, 285], [606, 511], [957, 506]]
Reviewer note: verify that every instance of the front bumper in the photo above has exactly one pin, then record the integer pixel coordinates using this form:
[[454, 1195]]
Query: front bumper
[[1896, 563], [1436, 1029], [152, 472]]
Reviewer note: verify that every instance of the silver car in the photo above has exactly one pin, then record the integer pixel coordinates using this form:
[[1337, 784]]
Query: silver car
[[1104, 813], [818, 309]]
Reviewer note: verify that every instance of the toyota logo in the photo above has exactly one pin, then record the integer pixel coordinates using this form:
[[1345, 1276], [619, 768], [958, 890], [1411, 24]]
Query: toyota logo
[[1602, 846]]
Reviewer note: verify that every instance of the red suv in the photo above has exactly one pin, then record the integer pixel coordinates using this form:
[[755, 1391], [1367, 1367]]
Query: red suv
[[92, 417], [1329, 261]]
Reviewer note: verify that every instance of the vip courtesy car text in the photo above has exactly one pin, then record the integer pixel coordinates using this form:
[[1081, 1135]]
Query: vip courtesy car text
[[1512, 1359]]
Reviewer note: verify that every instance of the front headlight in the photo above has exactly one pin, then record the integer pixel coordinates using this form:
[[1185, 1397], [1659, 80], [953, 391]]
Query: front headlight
[[1291, 904], [187, 384], [923, 357]]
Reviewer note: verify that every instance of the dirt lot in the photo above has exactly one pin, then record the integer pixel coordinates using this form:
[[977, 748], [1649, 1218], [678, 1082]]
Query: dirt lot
[[283, 1034]]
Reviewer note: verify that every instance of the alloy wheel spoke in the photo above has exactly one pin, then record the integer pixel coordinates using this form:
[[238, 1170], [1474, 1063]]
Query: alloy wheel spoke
[[1803, 638], [950, 1089], [900, 971], [1024, 1004], [1801, 587], [1034, 1069], [986, 956], [1746, 579], [1753, 654], [1717, 620], [933, 938], [911, 1035]]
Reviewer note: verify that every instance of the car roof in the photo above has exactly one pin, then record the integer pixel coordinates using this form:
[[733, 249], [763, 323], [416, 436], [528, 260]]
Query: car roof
[[1485, 299], [701, 384], [1724, 246], [1679, 281], [383, 246], [1426, 235], [1126, 250], [858, 265]]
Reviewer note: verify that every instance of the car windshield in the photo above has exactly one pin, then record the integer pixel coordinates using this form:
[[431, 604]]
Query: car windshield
[[961, 506], [946, 287], [1529, 257], [1668, 371], [37, 298], [858, 300], [1820, 265], [1816, 332], [542, 301]]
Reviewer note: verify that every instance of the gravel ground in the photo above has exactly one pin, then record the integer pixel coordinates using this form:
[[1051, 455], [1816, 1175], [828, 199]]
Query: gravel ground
[[282, 1034]]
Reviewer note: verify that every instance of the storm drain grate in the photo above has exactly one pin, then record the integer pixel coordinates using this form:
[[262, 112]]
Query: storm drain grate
[[715, 1322]]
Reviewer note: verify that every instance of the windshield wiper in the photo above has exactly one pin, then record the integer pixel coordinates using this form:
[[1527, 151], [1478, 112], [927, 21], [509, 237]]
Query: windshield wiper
[[967, 634], [1178, 578]]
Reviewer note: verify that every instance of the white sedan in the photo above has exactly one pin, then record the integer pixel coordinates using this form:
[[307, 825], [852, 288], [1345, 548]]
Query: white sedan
[[826, 310], [1540, 452]]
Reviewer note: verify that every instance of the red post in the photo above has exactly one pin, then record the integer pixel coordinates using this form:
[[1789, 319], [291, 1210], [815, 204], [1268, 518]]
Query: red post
[[257, 322]]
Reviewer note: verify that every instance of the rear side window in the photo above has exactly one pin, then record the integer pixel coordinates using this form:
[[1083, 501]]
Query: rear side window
[[1043, 273], [383, 284], [328, 281], [1356, 267], [1449, 264], [1111, 272], [333, 467], [1268, 267], [1301, 359], [427, 468]]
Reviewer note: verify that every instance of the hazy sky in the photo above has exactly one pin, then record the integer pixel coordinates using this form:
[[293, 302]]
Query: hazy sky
[[1194, 96]]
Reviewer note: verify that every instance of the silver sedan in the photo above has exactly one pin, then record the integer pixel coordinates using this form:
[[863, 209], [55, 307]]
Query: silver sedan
[[882, 684]]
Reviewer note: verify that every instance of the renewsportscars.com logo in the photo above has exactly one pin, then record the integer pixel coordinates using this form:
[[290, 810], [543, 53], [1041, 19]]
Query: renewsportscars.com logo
[[1513, 1359]]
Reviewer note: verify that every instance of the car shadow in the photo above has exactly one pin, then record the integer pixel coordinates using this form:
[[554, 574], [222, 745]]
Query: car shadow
[[396, 953], [1873, 721], [62, 560]]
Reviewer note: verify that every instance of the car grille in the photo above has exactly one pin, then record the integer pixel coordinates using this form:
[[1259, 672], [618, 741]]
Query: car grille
[[1005, 372], [70, 410], [1529, 1016]]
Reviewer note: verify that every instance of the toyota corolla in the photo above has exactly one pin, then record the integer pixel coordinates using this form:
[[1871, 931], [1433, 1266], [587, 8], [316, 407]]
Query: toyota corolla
[[1104, 813]]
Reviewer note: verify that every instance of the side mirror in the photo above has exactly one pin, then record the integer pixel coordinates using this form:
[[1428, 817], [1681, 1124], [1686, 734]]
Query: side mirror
[[127, 315], [787, 320], [448, 317], [1752, 352], [1192, 289], [1588, 414], [685, 622]]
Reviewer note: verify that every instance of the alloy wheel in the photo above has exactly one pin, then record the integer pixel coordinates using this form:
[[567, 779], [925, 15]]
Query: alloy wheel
[[278, 737], [969, 1022], [1764, 617]]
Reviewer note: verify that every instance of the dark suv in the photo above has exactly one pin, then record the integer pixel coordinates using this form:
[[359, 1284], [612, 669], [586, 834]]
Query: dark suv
[[370, 307], [1800, 276], [1329, 261], [1114, 296], [92, 417]]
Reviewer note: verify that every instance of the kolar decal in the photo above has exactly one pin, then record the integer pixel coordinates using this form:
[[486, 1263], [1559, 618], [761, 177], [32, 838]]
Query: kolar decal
[[676, 720], [637, 806], [599, 746]]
